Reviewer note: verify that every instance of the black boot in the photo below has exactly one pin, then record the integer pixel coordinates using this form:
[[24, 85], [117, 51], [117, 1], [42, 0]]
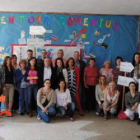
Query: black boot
[[138, 123]]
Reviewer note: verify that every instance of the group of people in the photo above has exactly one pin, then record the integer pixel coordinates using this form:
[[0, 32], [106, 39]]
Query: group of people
[[59, 86]]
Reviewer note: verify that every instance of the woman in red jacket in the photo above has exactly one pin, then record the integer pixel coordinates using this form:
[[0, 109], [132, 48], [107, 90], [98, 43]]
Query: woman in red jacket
[[73, 83]]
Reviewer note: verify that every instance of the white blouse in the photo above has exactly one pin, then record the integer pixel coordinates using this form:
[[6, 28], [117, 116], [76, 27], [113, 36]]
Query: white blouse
[[62, 98]]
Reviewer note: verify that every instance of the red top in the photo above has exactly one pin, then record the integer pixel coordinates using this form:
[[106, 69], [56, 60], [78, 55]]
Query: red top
[[91, 75]]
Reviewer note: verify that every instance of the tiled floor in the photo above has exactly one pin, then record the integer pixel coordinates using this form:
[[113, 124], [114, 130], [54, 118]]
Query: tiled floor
[[90, 127]]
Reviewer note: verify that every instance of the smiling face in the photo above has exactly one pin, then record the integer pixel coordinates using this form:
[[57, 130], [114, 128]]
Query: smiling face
[[102, 80], [62, 85], [132, 87], [8, 61], [32, 62], [47, 84], [118, 61], [137, 58], [76, 55], [47, 62], [70, 63], [91, 63], [60, 54], [59, 63], [112, 86]]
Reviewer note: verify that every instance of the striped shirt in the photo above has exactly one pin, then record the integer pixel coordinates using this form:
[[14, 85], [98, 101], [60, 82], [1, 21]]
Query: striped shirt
[[32, 73]]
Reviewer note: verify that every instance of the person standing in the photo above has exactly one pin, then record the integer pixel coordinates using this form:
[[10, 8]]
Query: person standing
[[33, 84], [73, 83], [90, 81], [8, 82], [40, 61], [81, 65]]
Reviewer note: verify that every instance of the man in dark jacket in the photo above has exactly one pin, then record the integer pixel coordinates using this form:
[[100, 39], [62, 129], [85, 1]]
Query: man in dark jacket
[[81, 65]]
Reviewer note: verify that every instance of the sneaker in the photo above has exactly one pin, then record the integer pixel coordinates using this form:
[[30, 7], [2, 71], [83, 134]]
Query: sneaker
[[38, 117], [138, 123], [72, 119], [97, 113]]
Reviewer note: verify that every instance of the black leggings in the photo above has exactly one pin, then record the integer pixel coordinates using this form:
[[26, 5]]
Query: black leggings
[[90, 98]]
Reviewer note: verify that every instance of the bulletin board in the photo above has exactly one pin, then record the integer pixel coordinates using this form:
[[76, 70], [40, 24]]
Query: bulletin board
[[102, 37]]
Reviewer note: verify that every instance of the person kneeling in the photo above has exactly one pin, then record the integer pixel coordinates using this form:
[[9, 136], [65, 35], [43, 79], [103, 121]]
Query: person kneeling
[[63, 100], [45, 102], [132, 102], [110, 100]]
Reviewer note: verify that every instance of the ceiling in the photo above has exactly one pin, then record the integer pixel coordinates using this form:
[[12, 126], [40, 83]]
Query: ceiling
[[117, 7]]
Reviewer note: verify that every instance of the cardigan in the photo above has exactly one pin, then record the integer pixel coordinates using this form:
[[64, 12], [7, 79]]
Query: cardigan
[[42, 96], [19, 76]]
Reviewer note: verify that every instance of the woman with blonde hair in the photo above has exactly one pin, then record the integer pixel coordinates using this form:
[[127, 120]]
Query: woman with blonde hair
[[107, 71], [110, 100], [99, 94]]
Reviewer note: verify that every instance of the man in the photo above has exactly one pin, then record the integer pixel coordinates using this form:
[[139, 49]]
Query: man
[[60, 54], [29, 56], [81, 65], [46, 72], [132, 102], [40, 61]]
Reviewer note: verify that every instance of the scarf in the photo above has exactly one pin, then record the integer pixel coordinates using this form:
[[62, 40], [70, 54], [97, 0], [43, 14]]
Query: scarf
[[72, 84]]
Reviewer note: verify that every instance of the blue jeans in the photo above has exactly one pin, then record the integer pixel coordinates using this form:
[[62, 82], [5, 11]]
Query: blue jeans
[[69, 111], [32, 93], [23, 96], [46, 116], [99, 110]]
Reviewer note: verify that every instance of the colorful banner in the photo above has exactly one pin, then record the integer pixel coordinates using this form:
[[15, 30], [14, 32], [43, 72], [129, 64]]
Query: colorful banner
[[102, 37]]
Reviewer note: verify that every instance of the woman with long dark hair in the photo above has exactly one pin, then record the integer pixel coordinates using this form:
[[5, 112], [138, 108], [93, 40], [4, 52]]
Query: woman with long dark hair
[[60, 72], [45, 102], [63, 100], [73, 83], [8, 81], [136, 72], [33, 84]]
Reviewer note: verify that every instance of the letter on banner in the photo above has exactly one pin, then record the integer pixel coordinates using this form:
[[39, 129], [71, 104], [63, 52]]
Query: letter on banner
[[85, 21], [21, 17], [93, 22], [38, 19], [62, 20], [78, 20], [11, 19], [70, 21], [3, 20], [108, 24]]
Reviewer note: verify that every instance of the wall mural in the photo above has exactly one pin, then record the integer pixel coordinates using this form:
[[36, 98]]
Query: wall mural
[[102, 37]]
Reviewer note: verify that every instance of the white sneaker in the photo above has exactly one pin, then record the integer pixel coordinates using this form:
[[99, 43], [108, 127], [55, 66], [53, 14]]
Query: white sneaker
[[38, 117]]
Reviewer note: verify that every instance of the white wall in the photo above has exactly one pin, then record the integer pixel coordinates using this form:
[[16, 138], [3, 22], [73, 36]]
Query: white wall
[[123, 7]]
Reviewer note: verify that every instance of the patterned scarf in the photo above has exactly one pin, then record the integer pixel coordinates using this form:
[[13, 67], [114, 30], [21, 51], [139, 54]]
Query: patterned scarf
[[72, 84]]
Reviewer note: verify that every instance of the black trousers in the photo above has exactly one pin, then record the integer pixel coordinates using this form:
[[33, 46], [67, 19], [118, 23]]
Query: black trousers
[[90, 98]]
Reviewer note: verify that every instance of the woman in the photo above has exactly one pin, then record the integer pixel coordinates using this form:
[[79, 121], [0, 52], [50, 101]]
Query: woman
[[116, 73], [45, 102], [32, 87], [21, 79], [107, 71], [63, 100], [61, 72], [132, 102], [90, 81], [73, 83], [14, 61], [116, 70], [136, 72], [8, 81], [99, 92], [110, 100], [17, 102]]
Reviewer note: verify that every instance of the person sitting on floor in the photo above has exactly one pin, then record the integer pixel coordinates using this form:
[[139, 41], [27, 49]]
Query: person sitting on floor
[[63, 100], [132, 102], [110, 100], [99, 92], [45, 102]]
